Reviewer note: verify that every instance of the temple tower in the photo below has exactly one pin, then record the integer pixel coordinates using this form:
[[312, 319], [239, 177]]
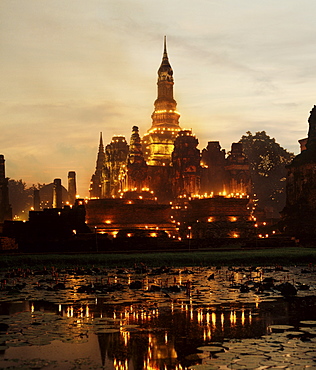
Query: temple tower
[[159, 139], [238, 172], [213, 179], [95, 183], [114, 168], [299, 213], [186, 165], [136, 164]]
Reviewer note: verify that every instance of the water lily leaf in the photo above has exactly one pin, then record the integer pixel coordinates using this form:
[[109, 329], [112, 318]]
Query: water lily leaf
[[196, 356], [308, 322], [280, 328], [211, 349]]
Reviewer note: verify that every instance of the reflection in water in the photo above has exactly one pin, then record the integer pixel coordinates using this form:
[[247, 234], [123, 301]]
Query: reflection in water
[[151, 328], [155, 336]]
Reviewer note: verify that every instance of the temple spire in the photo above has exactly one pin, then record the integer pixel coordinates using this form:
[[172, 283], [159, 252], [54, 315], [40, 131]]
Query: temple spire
[[165, 72], [101, 147], [96, 179], [159, 139], [165, 54]]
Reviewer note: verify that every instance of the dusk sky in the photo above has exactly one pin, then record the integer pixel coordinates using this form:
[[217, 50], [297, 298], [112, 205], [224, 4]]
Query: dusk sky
[[71, 69]]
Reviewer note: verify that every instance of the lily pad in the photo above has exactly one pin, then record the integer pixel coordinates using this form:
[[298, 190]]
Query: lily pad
[[213, 349], [280, 328], [308, 322]]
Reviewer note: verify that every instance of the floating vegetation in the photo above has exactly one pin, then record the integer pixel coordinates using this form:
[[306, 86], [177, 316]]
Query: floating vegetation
[[198, 317]]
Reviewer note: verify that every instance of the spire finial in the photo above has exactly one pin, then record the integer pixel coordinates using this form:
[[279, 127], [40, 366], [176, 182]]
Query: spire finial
[[165, 55], [101, 147]]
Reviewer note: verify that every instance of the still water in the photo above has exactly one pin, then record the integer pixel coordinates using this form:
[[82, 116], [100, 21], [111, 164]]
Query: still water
[[167, 319]]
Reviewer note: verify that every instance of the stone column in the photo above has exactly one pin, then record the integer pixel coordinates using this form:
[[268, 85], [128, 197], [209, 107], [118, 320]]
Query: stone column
[[57, 194]]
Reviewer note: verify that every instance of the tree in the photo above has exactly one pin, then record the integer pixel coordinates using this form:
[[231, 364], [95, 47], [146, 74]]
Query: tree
[[267, 161], [21, 198]]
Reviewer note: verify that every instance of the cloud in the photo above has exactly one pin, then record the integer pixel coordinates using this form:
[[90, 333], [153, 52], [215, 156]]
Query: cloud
[[70, 69]]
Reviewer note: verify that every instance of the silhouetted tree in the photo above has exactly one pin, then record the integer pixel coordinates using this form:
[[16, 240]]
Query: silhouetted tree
[[21, 198], [267, 161]]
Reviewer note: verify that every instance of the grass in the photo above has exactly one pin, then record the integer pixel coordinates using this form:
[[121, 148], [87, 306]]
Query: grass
[[262, 257]]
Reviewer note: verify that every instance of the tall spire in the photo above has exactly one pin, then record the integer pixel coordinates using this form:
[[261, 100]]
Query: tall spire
[[165, 55], [101, 147], [101, 155], [160, 137], [96, 180], [165, 71]]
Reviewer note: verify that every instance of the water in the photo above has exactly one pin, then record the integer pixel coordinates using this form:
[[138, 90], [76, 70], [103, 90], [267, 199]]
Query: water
[[177, 319]]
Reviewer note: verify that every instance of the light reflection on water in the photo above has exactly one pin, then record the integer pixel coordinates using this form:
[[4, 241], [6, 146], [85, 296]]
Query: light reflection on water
[[143, 329], [140, 336]]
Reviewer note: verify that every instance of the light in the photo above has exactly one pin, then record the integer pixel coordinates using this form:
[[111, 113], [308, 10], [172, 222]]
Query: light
[[108, 221]]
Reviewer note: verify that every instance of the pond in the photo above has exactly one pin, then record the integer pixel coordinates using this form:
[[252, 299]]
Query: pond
[[158, 318]]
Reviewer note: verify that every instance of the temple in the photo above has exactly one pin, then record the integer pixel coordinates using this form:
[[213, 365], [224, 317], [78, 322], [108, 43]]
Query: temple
[[299, 213], [165, 168]]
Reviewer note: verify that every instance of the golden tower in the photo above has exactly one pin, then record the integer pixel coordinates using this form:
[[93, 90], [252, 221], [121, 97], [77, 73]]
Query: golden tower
[[159, 139]]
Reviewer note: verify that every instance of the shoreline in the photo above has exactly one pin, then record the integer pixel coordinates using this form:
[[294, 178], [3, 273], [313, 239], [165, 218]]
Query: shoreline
[[177, 258]]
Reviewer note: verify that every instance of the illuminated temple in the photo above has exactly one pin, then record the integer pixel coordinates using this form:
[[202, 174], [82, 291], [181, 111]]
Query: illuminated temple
[[162, 182]]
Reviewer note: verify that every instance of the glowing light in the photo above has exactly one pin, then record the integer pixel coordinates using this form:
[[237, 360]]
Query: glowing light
[[213, 319]]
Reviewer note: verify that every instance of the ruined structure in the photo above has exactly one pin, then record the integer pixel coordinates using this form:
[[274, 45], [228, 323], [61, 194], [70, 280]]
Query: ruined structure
[[114, 167], [137, 177], [72, 187], [57, 194], [299, 213], [96, 179], [5, 208], [166, 166], [186, 169], [238, 173]]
